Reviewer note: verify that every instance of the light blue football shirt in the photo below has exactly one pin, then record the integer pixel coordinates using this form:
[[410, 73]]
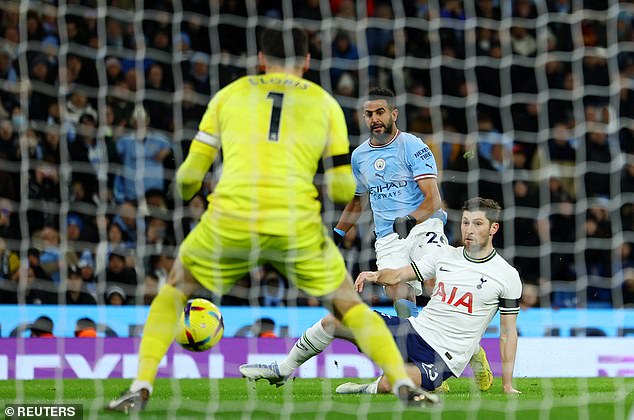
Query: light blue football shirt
[[389, 174]]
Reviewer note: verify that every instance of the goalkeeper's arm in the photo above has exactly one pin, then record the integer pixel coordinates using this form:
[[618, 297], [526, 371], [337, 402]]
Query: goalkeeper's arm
[[338, 178], [191, 173]]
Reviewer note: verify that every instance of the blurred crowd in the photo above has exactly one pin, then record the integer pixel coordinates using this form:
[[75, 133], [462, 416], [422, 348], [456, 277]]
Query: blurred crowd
[[98, 109]]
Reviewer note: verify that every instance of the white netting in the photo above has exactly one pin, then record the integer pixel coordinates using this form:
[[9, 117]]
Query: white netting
[[530, 103]]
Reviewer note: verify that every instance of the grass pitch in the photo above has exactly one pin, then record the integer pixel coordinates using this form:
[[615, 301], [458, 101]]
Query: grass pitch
[[565, 398]]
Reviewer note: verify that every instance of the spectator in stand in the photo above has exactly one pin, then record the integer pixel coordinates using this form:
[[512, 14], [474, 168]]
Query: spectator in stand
[[86, 265], [195, 209], [44, 186], [159, 233], [7, 71], [142, 153], [49, 149], [380, 38], [150, 288], [126, 220], [34, 290], [85, 328], [561, 146], [9, 178], [113, 71], [344, 52], [76, 292], [76, 106], [310, 9], [198, 74], [159, 112], [47, 240], [487, 9], [9, 221], [87, 155], [597, 181], [191, 108], [116, 296], [118, 274], [33, 258]]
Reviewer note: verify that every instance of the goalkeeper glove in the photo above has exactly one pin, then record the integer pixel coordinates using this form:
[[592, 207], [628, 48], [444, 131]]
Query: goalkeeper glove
[[403, 226], [338, 236]]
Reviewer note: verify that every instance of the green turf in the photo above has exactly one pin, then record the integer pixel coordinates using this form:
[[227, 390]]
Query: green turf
[[594, 398]]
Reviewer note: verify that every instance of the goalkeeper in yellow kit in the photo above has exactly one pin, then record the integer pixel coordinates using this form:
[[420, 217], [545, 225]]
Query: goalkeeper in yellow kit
[[273, 129]]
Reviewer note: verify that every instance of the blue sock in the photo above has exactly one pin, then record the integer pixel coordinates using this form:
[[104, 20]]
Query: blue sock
[[405, 308]]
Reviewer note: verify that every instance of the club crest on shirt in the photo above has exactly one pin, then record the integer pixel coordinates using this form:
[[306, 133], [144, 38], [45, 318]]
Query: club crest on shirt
[[379, 164]]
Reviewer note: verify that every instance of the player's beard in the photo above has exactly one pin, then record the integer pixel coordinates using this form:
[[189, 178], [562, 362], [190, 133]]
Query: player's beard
[[386, 135], [475, 248]]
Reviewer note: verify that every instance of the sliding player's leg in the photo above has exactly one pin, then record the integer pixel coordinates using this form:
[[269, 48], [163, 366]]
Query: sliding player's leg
[[425, 367], [403, 297], [318, 268], [314, 340], [375, 340]]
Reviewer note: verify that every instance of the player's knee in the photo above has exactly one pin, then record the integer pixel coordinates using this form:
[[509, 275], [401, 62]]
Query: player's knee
[[401, 291], [182, 279], [330, 324]]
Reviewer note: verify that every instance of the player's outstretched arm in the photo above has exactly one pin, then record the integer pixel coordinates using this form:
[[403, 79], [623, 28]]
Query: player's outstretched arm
[[508, 349], [349, 218], [191, 173], [385, 277]]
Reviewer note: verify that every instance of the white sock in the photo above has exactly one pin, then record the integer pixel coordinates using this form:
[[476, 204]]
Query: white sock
[[136, 385], [373, 387], [313, 342]]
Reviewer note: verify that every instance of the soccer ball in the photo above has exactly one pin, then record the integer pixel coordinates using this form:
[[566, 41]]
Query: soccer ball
[[201, 325]]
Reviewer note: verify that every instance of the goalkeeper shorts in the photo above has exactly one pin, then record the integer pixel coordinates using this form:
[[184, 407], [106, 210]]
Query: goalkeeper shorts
[[218, 256]]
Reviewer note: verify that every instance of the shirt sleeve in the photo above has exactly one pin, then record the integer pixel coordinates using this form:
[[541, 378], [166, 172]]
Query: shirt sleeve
[[338, 144], [420, 159], [510, 296], [209, 127], [425, 267], [336, 156]]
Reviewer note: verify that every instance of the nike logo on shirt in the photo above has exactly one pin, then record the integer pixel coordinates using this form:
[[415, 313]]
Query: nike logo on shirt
[[444, 269]]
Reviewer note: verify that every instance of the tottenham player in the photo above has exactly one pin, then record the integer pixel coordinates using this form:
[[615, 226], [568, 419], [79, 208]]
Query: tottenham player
[[471, 283]]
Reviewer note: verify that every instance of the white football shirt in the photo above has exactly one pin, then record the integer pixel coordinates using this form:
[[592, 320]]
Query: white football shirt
[[467, 294]]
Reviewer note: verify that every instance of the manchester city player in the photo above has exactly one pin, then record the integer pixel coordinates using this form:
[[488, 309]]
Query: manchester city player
[[396, 171]]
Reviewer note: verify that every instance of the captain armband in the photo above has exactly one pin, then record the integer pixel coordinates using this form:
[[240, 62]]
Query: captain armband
[[509, 306]]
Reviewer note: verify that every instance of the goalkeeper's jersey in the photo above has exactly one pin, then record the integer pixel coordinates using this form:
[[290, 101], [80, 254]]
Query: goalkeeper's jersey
[[273, 130], [466, 296]]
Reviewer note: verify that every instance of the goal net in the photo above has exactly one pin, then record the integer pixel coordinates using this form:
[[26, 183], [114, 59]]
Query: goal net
[[528, 102]]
